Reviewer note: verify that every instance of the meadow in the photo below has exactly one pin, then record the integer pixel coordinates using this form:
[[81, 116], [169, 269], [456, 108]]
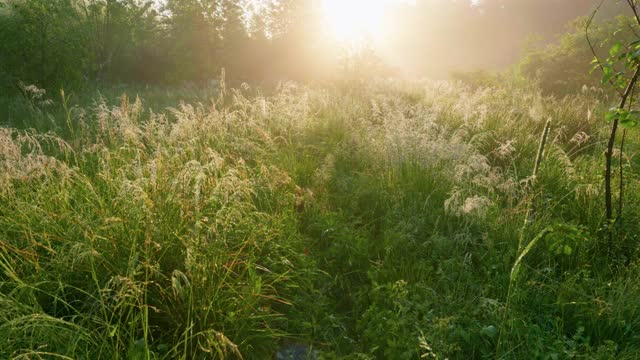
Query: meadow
[[377, 220]]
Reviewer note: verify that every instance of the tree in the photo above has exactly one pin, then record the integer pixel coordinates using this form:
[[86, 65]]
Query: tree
[[42, 42], [193, 39], [563, 67], [234, 39], [621, 69], [121, 33]]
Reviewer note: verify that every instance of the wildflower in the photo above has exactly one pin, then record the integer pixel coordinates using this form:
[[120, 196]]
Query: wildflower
[[505, 149], [476, 205]]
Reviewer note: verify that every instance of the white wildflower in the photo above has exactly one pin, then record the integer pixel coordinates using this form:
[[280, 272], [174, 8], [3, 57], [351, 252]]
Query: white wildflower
[[476, 206], [505, 149]]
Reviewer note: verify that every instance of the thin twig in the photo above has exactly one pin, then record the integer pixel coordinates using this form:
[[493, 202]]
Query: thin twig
[[609, 153], [634, 8], [612, 138], [593, 50], [621, 188]]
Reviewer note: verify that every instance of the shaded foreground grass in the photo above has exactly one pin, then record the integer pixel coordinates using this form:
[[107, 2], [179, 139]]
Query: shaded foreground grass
[[377, 222]]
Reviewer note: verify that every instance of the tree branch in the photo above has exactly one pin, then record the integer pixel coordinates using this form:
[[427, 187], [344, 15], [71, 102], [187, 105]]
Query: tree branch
[[611, 143], [593, 50]]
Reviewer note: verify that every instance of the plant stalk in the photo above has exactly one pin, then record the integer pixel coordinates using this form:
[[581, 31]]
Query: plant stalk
[[609, 152]]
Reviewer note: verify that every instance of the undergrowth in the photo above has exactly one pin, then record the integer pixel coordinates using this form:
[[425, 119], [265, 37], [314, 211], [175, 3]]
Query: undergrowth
[[377, 222]]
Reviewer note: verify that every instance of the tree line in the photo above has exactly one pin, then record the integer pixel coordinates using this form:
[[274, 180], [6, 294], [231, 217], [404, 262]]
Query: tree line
[[67, 43], [54, 43]]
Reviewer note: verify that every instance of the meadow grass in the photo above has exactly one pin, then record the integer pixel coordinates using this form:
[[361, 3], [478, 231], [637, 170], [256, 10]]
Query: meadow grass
[[367, 221]]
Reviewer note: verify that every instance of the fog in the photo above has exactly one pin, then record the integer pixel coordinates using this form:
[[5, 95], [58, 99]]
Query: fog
[[435, 37]]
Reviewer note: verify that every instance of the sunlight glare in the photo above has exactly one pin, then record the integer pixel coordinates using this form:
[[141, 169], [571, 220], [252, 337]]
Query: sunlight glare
[[355, 20]]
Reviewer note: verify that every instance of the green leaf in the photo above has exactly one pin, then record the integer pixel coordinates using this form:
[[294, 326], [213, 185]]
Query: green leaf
[[629, 124], [623, 115], [612, 114], [630, 119], [615, 49], [567, 250], [607, 70], [489, 331], [112, 331]]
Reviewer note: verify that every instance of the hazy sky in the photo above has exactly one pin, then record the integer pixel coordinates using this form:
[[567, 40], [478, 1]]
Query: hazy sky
[[436, 37]]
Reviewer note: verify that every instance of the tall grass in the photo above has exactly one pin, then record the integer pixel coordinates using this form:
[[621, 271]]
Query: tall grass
[[377, 222]]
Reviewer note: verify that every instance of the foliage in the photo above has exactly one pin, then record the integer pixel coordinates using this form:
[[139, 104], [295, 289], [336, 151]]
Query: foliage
[[564, 67], [73, 43], [621, 69], [378, 220], [41, 42]]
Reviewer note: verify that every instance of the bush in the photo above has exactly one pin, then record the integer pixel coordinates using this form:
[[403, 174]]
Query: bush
[[564, 66]]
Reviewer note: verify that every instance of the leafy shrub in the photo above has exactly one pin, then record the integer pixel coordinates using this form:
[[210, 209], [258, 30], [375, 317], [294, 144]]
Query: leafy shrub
[[564, 66]]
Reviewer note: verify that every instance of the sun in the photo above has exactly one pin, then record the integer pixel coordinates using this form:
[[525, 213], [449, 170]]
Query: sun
[[354, 21]]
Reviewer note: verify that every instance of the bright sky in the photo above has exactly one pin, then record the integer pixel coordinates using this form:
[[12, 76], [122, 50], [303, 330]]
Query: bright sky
[[353, 21], [349, 21]]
